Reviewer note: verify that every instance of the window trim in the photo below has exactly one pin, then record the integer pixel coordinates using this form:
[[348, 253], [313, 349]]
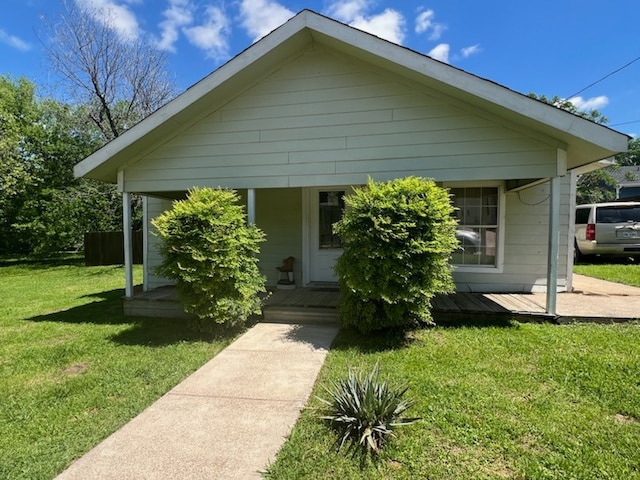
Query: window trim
[[499, 266]]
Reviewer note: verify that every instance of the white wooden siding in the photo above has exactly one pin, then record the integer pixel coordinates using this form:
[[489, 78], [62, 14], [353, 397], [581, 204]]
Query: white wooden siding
[[526, 242], [155, 207], [325, 119], [279, 216]]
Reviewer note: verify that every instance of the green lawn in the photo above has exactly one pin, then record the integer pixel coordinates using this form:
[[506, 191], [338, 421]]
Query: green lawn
[[73, 368], [506, 400], [518, 401], [628, 274]]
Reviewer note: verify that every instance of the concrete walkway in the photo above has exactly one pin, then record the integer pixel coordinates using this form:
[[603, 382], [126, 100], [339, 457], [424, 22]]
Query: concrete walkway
[[594, 299], [227, 420]]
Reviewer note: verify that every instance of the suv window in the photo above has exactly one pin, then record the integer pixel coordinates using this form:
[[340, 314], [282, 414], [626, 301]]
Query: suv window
[[616, 214], [582, 215]]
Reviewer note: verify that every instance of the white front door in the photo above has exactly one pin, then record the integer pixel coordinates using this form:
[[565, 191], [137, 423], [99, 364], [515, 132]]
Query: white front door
[[325, 207]]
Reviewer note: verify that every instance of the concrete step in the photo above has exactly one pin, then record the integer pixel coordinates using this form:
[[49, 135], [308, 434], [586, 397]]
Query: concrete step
[[303, 315]]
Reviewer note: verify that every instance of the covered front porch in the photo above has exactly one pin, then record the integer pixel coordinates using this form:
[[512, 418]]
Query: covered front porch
[[590, 300]]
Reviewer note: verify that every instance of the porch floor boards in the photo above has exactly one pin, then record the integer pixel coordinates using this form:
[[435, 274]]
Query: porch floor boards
[[319, 305]]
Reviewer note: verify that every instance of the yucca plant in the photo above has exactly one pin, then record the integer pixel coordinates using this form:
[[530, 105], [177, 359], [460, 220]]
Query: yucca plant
[[365, 411]]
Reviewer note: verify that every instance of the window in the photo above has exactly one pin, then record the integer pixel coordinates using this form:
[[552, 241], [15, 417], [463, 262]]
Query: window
[[582, 215], [478, 221], [331, 208]]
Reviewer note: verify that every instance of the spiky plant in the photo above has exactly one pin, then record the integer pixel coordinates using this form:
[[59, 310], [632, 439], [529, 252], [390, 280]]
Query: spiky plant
[[366, 410]]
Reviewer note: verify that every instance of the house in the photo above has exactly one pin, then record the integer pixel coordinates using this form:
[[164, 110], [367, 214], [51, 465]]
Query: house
[[627, 182], [317, 107]]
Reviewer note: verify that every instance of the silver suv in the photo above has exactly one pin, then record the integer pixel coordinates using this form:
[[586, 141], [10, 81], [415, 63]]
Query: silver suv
[[607, 229]]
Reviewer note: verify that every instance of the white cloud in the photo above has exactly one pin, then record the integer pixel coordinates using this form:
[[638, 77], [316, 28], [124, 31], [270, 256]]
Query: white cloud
[[593, 103], [179, 14], [113, 15], [425, 22], [14, 41], [347, 10], [440, 52], [212, 36], [472, 50], [261, 17], [389, 24]]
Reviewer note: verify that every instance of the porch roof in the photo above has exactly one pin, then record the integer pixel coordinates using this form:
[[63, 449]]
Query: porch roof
[[584, 141]]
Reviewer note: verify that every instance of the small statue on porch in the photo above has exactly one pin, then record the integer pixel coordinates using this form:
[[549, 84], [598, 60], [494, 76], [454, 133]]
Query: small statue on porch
[[286, 272]]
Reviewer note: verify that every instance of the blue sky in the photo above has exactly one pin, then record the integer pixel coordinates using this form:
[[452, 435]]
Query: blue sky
[[550, 47]]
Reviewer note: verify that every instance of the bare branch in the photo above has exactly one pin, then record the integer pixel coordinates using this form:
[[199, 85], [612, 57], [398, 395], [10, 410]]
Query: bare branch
[[120, 80]]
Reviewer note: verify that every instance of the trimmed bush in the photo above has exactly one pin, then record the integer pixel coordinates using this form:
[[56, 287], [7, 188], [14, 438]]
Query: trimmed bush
[[210, 251], [398, 238]]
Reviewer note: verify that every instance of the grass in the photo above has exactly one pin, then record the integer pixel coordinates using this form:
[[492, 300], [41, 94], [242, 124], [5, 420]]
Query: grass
[[629, 274], [497, 401], [512, 400], [73, 368]]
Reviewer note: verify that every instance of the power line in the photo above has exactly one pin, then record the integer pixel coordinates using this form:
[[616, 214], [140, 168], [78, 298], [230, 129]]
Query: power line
[[624, 123], [604, 78]]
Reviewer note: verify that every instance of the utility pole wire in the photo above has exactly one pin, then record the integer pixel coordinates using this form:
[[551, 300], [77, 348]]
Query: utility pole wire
[[604, 78], [624, 123]]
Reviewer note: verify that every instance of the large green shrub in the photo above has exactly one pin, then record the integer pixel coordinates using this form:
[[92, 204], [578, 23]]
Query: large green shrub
[[398, 238], [210, 251]]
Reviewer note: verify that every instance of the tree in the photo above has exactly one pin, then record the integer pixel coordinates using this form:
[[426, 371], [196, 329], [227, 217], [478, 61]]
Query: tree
[[599, 185], [565, 104], [43, 208], [113, 81], [398, 238], [18, 115], [118, 79], [632, 157]]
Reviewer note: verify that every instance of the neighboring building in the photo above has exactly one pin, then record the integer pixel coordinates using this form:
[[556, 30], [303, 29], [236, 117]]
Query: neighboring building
[[317, 107], [627, 183]]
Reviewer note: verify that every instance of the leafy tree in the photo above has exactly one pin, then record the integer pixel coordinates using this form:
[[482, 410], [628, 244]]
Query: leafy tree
[[566, 104], [631, 157], [209, 249], [18, 164], [398, 238], [596, 187], [599, 185], [43, 208], [114, 81]]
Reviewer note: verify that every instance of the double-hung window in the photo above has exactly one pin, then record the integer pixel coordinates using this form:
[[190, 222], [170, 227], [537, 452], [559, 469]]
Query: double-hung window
[[478, 232]]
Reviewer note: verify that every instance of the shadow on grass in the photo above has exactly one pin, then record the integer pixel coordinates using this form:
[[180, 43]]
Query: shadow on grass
[[393, 339], [384, 340], [107, 310], [39, 262], [471, 320], [159, 332]]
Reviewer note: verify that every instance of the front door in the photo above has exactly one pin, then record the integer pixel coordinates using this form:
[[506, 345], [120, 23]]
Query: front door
[[325, 207]]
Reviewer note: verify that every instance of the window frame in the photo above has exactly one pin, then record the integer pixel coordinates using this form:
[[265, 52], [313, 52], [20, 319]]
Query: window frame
[[500, 240]]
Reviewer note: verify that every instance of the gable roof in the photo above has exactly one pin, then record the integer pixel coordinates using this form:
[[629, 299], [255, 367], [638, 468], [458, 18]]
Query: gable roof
[[627, 174], [585, 141]]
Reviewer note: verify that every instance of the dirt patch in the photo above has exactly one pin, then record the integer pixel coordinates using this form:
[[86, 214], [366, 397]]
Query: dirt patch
[[620, 418], [77, 369], [394, 464]]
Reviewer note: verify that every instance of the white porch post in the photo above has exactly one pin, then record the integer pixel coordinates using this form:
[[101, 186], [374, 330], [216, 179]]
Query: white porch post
[[251, 206], [128, 244], [554, 245]]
